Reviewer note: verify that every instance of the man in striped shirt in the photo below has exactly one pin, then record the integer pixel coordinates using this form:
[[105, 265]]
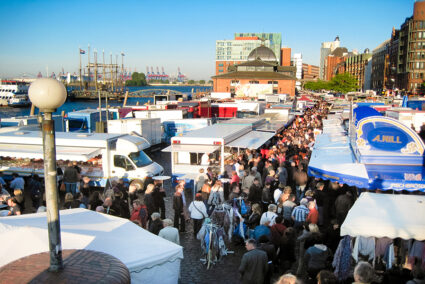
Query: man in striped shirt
[[299, 214]]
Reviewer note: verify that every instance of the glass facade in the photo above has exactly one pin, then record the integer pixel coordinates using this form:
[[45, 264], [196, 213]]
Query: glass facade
[[236, 50]]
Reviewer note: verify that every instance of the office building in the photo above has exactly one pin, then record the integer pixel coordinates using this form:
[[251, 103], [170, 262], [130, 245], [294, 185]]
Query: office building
[[325, 50], [236, 51]]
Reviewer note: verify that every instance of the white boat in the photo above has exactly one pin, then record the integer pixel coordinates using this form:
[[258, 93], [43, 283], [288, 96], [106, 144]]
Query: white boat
[[14, 93]]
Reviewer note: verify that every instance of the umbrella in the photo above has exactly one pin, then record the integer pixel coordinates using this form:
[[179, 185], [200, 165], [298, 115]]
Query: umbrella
[[161, 177]]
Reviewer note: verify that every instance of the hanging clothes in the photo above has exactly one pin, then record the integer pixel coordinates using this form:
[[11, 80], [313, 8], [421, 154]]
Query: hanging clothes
[[342, 259], [382, 245], [389, 257], [364, 246]]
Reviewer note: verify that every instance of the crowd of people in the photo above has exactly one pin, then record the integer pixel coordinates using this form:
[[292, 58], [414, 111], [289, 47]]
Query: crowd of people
[[290, 221]]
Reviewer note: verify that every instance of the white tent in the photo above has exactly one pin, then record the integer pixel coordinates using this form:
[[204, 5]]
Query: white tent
[[386, 215], [150, 259]]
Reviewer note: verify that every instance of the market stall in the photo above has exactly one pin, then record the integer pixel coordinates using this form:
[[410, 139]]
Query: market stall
[[145, 255]]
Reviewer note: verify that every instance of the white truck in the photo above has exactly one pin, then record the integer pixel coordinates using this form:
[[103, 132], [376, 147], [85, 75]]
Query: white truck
[[149, 128], [215, 141], [100, 156]]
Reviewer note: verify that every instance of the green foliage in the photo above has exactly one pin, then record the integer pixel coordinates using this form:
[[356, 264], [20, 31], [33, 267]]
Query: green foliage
[[210, 82], [343, 83], [137, 79], [202, 82], [191, 82], [316, 86]]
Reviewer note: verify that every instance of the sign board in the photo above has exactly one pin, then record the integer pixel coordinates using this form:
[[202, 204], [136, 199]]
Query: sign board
[[386, 141], [253, 90]]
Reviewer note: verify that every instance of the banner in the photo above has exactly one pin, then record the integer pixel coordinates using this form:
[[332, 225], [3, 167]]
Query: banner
[[253, 90]]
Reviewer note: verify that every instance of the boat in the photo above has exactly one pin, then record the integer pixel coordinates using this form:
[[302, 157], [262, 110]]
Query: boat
[[19, 101], [14, 93]]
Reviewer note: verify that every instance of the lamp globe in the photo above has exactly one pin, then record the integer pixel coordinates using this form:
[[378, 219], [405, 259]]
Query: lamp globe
[[47, 94]]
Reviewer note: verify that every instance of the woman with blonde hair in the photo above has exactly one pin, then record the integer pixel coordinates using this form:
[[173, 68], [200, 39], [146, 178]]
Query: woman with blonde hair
[[255, 217], [149, 201], [216, 195]]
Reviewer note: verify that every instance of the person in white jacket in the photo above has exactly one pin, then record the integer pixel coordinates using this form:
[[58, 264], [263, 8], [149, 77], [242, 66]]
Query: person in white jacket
[[269, 216], [198, 212]]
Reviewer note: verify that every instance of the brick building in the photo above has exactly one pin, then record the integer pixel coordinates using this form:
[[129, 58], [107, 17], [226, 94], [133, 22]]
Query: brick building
[[261, 74], [411, 51], [310, 72], [357, 66], [333, 61]]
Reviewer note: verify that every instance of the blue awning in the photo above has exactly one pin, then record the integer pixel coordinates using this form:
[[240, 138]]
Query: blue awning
[[396, 177], [332, 159]]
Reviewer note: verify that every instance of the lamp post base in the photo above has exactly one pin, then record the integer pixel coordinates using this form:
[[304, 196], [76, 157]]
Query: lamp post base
[[80, 266]]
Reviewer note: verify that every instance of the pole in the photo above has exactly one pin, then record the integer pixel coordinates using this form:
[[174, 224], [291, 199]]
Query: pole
[[88, 67], [95, 69], [106, 102], [125, 99], [53, 224], [103, 69], [112, 75], [100, 107], [116, 70], [81, 83]]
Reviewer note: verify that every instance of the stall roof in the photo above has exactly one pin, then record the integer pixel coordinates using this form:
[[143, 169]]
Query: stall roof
[[145, 255], [251, 140], [191, 148], [36, 152], [216, 131], [272, 127], [386, 215]]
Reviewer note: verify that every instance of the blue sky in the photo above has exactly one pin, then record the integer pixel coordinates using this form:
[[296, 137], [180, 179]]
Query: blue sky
[[39, 34]]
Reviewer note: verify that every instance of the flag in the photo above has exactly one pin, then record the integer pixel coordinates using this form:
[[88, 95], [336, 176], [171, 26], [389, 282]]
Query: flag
[[82, 51]]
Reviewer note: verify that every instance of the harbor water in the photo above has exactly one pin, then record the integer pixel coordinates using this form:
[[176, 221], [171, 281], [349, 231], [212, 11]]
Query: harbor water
[[93, 104]]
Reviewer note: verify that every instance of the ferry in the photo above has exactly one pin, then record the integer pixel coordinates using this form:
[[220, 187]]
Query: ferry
[[14, 93]]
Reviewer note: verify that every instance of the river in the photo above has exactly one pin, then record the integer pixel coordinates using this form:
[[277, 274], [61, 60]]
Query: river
[[78, 105]]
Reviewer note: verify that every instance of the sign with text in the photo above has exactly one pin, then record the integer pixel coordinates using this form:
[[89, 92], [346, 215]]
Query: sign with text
[[384, 140]]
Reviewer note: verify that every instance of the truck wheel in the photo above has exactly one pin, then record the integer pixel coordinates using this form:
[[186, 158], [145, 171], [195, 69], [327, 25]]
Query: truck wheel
[[137, 183]]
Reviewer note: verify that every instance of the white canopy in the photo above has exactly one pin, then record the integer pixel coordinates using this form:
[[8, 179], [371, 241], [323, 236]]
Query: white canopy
[[150, 259], [386, 215], [191, 148], [251, 140], [36, 152]]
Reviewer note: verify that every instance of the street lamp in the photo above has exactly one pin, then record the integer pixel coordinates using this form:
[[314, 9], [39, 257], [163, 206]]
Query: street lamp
[[48, 94]]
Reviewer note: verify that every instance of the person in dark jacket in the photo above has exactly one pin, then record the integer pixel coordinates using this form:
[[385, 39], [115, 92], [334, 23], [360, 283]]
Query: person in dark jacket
[[179, 221], [158, 197], [149, 200], [253, 267], [156, 224], [254, 218], [36, 191], [342, 205], [264, 244], [255, 192]]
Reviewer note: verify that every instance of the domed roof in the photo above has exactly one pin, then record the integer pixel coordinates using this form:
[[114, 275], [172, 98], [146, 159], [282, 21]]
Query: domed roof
[[263, 53]]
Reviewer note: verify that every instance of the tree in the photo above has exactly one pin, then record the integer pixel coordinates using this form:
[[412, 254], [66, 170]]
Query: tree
[[137, 79], [316, 86], [191, 82], [343, 83], [202, 82]]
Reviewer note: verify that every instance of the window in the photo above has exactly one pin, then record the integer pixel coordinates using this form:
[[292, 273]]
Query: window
[[253, 82], [123, 162], [140, 159]]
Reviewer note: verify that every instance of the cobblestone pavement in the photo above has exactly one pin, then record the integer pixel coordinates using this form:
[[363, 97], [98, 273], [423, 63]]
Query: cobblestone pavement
[[192, 269]]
